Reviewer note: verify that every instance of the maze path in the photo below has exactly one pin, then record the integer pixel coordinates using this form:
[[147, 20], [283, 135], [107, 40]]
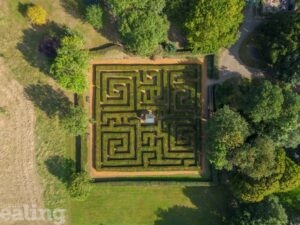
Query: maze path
[[123, 93]]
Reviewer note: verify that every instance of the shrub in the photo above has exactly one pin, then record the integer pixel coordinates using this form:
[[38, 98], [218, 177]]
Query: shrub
[[94, 16], [75, 121], [80, 187], [37, 15]]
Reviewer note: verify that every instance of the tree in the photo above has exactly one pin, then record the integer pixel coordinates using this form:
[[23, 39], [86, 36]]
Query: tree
[[267, 212], [225, 131], [256, 160], [213, 24], [71, 63], [285, 129], [291, 177], [143, 31], [94, 16], [278, 41], [74, 121], [80, 186], [263, 102], [247, 189], [142, 24], [37, 15]]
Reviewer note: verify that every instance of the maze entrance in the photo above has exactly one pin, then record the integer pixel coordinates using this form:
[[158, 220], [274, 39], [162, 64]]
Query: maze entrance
[[147, 117]]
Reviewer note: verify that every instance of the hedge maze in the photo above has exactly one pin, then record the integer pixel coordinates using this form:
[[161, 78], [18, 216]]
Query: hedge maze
[[147, 117]]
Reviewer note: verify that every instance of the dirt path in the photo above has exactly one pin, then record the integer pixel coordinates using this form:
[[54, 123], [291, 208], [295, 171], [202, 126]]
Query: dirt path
[[19, 180]]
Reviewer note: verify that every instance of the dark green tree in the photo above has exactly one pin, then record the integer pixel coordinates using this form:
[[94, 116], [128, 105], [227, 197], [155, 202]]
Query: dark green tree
[[279, 43], [267, 212], [213, 24], [225, 131], [263, 101], [256, 160], [143, 31]]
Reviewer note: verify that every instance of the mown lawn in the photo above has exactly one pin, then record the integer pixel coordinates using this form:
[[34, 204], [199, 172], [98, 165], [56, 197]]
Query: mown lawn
[[150, 205]]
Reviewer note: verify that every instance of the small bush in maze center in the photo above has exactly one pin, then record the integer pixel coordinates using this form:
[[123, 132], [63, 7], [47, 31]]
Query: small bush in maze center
[[94, 16], [37, 15]]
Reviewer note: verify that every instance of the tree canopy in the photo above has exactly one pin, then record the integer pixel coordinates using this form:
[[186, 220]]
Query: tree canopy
[[142, 24], [267, 212], [225, 131], [143, 31], [279, 43], [213, 24], [71, 63], [263, 101]]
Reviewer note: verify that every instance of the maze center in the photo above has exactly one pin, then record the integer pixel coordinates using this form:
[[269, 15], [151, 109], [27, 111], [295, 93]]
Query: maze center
[[147, 117]]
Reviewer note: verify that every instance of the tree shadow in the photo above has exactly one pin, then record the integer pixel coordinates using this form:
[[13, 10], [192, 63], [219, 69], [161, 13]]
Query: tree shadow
[[51, 101], [31, 41], [210, 208], [61, 167], [22, 7], [76, 8]]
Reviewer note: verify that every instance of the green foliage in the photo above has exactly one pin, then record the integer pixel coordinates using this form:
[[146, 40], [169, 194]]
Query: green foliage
[[263, 101], [213, 24], [256, 160], [80, 186], [249, 190], [291, 177], [125, 6], [37, 15], [75, 121], [142, 24], [225, 131], [71, 63], [279, 44], [143, 31], [267, 212], [94, 16]]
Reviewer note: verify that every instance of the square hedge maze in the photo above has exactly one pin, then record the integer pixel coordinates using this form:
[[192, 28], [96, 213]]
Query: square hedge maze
[[147, 117]]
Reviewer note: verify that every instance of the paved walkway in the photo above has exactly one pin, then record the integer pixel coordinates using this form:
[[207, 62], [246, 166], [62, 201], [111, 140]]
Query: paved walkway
[[230, 62]]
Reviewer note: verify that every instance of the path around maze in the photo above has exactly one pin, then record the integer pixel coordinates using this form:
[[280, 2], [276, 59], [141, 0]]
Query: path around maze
[[19, 179], [129, 61]]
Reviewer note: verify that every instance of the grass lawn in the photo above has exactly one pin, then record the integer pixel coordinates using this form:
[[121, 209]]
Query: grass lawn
[[150, 205]]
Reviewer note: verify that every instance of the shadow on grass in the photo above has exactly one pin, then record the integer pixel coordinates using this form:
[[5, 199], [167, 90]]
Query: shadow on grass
[[210, 208], [50, 101], [76, 8], [31, 41], [22, 7], [61, 167]]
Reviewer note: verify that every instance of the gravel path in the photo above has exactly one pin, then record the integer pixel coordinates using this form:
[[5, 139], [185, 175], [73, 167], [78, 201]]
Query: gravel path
[[229, 61], [19, 180]]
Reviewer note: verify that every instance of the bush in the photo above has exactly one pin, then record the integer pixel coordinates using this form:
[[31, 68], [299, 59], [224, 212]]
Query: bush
[[94, 16], [75, 121], [80, 187], [37, 15]]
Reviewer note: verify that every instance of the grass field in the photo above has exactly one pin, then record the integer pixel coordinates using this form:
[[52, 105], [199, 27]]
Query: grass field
[[151, 205], [124, 94]]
